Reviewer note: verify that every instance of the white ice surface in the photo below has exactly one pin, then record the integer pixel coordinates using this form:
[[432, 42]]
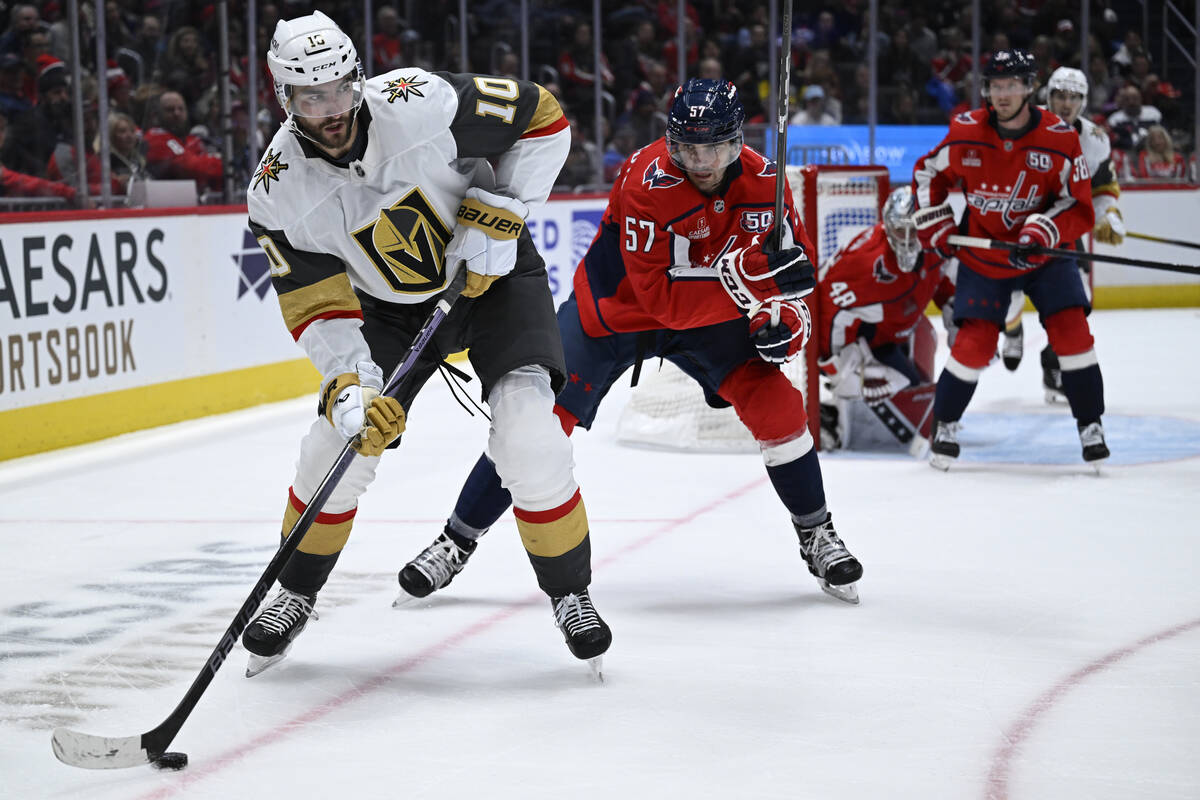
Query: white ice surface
[[1027, 630]]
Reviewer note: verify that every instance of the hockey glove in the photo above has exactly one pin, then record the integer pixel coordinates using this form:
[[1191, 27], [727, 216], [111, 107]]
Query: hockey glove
[[1110, 228], [1039, 232], [352, 404], [485, 238], [934, 226], [753, 275], [780, 330]]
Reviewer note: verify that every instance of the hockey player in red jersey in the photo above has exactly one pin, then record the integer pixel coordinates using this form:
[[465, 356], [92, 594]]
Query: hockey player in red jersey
[[679, 270], [872, 298], [1026, 181]]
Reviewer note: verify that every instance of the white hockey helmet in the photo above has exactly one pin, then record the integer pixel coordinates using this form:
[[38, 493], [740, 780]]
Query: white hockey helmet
[[1071, 81], [900, 229], [313, 51]]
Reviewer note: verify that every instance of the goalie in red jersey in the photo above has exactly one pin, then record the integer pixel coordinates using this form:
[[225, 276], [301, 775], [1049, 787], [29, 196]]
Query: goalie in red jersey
[[875, 343], [679, 271], [1026, 181]]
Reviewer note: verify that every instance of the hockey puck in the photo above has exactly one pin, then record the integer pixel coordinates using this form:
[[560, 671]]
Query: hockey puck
[[171, 761]]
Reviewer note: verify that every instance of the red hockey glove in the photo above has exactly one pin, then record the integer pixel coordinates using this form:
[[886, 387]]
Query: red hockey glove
[[934, 226], [755, 275], [780, 330], [1038, 232]]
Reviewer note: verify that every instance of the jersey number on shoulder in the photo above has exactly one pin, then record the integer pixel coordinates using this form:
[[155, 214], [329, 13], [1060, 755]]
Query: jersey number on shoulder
[[279, 265], [1082, 173], [502, 89], [631, 234], [841, 294]]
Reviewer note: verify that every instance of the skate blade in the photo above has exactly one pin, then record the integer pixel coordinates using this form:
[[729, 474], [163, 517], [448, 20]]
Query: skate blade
[[596, 666], [405, 600], [258, 664], [939, 461], [847, 593]]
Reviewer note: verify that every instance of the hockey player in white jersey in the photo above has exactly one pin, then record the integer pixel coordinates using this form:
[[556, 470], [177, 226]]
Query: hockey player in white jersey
[[366, 202], [1067, 93]]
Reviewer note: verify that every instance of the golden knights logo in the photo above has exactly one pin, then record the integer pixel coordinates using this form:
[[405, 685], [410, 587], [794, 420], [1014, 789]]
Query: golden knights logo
[[407, 245], [402, 87], [268, 171]]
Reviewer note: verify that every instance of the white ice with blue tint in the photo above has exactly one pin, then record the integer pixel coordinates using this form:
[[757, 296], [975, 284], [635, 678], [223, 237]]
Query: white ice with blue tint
[[1028, 629]]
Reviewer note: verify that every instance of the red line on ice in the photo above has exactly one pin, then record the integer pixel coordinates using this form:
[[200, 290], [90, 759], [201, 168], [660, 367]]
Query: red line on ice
[[998, 777], [232, 756]]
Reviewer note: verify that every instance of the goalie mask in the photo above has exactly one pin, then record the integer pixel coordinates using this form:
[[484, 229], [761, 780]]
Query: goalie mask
[[1068, 92], [315, 66], [704, 128], [900, 229]]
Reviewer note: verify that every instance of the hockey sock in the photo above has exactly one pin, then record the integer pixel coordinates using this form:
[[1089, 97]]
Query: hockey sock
[[481, 501], [558, 546], [1084, 389], [952, 397], [799, 485]]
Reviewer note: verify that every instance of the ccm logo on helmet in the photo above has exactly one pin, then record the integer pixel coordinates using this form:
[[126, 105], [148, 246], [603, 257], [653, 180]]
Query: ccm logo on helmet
[[320, 67]]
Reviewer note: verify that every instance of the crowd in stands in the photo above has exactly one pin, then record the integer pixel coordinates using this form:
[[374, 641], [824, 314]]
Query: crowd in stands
[[164, 111]]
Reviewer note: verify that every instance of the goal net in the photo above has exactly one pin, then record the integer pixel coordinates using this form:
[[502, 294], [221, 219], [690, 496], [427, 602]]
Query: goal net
[[667, 409]]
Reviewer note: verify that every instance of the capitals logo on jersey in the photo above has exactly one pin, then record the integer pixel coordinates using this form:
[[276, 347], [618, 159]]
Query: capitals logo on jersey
[[657, 178], [407, 244], [881, 272]]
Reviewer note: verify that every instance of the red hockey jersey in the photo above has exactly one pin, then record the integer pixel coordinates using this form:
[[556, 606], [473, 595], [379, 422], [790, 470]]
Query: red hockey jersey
[[653, 263], [1006, 180], [862, 292]]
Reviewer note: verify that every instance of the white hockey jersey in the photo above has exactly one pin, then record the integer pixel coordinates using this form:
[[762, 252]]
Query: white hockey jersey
[[1097, 152], [379, 221]]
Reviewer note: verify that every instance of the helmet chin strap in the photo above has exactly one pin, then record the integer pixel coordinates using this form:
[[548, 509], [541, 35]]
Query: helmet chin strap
[[295, 127]]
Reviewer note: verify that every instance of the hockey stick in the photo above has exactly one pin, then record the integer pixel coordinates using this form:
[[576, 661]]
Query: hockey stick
[[1078, 255], [1162, 240], [102, 752], [781, 123]]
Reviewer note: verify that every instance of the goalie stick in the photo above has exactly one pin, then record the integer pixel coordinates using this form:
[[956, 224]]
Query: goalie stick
[[101, 752], [781, 123], [1078, 255]]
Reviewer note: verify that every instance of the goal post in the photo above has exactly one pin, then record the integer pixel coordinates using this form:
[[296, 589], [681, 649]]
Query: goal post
[[668, 410]]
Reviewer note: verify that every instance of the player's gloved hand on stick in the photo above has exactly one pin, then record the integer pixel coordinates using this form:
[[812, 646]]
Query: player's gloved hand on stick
[[1038, 232], [934, 227], [1110, 227], [352, 404], [780, 330], [485, 237], [753, 274]]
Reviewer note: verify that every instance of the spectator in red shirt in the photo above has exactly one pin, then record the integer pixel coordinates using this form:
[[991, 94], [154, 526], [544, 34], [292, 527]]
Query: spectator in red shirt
[[386, 44], [173, 152], [1158, 160]]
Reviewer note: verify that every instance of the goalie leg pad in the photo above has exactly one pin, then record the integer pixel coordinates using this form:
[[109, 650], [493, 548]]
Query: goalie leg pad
[[767, 404]]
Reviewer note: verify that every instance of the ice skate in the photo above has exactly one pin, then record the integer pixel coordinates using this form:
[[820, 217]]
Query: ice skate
[[835, 569], [587, 636], [434, 567], [1012, 347], [1052, 377], [944, 447], [270, 635], [1091, 437]]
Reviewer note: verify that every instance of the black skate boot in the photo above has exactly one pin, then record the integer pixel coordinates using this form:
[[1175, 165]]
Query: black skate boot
[[1091, 436], [944, 447], [434, 567], [835, 569], [1013, 347], [269, 636], [588, 637], [1052, 377]]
